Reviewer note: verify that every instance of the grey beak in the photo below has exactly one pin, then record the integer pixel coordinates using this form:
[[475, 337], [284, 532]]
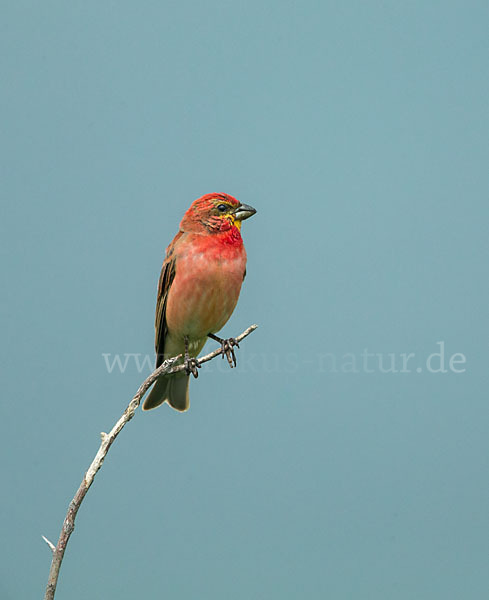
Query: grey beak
[[244, 211]]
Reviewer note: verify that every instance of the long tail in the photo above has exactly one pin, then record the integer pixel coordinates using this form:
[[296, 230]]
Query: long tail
[[172, 389]]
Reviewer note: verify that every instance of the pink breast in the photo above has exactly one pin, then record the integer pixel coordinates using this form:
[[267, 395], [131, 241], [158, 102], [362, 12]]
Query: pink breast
[[206, 288]]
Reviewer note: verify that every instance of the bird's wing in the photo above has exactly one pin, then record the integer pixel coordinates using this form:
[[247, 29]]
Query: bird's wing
[[166, 278]]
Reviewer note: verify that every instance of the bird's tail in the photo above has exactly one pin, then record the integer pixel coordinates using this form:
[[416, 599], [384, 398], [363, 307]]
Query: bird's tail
[[172, 389]]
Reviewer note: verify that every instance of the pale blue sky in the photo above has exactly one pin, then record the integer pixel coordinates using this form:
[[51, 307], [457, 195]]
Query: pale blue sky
[[359, 130]]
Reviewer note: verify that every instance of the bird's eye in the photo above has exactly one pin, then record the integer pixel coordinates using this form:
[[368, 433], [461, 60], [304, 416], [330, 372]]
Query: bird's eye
[[222, 208]]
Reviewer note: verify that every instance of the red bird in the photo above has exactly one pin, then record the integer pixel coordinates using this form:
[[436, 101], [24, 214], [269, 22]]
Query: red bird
[[199, 286]]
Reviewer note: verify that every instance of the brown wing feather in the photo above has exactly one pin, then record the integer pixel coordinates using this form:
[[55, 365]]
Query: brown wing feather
[[166, 278]]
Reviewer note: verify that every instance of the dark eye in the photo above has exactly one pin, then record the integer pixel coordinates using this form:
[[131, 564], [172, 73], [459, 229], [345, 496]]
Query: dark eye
[[222, 207]]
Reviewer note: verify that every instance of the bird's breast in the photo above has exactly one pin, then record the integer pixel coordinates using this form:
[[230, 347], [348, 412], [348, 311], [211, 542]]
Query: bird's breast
[[205, 290]]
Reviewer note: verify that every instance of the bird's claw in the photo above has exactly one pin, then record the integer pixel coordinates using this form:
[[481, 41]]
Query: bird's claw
[[227, 350], [191, 366]]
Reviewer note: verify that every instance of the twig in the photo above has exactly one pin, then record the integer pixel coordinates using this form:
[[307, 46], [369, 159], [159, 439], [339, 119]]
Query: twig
[[107, 441], [50, 544]]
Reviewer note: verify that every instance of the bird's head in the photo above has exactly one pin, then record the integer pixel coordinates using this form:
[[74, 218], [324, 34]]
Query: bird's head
[[215, 213]]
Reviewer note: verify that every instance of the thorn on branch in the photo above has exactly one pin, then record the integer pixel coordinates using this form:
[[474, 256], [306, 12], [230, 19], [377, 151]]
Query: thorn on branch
[[50, 544]]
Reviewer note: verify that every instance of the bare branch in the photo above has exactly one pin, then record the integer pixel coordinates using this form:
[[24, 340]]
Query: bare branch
[[107, 441]]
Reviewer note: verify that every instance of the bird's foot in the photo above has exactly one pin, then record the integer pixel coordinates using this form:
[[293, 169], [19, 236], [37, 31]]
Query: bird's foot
[[191, 366], [227, 348]]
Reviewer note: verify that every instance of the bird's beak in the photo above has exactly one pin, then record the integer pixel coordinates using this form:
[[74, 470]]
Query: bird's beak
[[244, 211]]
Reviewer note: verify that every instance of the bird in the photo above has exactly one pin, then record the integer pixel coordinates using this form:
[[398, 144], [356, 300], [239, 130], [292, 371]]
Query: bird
[[198, 289]]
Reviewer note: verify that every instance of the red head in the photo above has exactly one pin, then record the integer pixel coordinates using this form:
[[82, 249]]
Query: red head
[[215, 213]]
